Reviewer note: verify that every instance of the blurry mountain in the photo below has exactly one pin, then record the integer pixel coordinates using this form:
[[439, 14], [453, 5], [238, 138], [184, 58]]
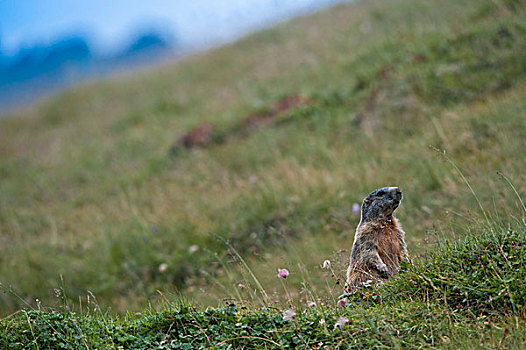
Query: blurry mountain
[[37, 61], [42, 69], [147, 43], [147, 47]]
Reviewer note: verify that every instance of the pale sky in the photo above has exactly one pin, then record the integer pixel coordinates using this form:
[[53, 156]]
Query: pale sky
[[107, 23]]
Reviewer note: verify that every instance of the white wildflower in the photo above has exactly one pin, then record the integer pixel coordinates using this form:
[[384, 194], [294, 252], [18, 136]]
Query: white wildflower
[[342, 321], [163, 267], [326, 264]]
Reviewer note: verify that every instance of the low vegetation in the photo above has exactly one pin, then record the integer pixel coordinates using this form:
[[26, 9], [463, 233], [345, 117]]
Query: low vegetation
[[467, 294], [182, 189]]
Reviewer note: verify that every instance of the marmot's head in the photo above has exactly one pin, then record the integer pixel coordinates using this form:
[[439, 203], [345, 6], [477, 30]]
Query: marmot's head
[[381, 203]]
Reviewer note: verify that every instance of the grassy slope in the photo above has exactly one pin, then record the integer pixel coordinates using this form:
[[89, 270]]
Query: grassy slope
[[84, 176]]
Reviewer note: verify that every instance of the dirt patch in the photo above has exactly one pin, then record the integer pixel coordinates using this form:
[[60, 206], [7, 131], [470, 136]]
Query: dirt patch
[[266, 117], [205, 134], [199, 136]]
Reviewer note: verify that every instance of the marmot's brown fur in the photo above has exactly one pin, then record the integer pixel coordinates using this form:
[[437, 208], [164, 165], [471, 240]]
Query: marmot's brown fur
[[379, 244]]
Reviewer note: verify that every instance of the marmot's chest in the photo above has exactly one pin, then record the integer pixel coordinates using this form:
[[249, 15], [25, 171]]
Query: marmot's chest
[[389, 247]]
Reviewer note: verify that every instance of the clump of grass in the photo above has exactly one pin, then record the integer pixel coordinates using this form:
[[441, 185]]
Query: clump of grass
[[484, 272]]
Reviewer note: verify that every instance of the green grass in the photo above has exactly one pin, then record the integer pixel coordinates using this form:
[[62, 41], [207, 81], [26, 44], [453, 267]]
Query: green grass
[[440, 302], [93, 202]]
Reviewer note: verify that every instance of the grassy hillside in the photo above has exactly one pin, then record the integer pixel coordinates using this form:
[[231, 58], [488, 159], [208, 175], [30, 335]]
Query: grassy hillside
[[98, 198]]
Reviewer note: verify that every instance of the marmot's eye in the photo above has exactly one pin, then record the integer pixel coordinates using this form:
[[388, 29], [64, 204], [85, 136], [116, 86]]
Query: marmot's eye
[[380, 194]]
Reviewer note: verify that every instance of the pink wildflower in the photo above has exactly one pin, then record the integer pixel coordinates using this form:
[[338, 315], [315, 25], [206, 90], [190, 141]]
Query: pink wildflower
[[288, 315], [341, 303], [283, 273]]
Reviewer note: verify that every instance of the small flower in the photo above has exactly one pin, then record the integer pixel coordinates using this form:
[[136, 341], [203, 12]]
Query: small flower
[[341, 303], [342, 321], [193, 248], [311, 304], [322, 322], [367, 283], [283, 273], [288, 315], [153, 229], [326, 264], [355, 209], [163, 267]]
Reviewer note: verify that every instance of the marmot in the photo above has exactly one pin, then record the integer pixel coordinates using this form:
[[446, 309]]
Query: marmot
[[379, 244]]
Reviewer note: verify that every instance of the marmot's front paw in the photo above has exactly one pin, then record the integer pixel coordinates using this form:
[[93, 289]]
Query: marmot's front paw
[[383, 269]]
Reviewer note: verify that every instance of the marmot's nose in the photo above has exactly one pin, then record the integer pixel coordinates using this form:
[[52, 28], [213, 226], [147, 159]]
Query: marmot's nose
[[396, 192]]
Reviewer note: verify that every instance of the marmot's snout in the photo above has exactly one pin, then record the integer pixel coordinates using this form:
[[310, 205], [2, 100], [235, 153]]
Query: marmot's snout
[[381, 202], [395, 194]]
